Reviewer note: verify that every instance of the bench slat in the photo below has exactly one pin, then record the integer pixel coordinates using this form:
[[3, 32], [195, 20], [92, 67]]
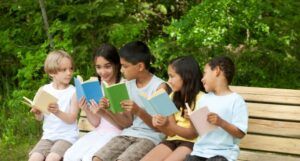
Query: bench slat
[[271, 144], [270, 95], [266, 91], [84, 124], [271, 127], [264, 156], [271, 111]]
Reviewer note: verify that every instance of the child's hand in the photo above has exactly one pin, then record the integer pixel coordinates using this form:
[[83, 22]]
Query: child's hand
[[53, 108], [130, 106], [214, 119], [83, 104], [104, 103], [35, 111], [97, 108], [159, 121]]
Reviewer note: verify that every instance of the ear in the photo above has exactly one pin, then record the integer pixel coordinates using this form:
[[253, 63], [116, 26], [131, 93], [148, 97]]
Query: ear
[[141, 66], [217, 71]]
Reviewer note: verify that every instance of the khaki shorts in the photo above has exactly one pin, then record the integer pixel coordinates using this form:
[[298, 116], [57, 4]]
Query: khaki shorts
[[45, 147], [125, 148]]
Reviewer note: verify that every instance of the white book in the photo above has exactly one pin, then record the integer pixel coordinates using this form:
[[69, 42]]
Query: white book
[[199, 120]]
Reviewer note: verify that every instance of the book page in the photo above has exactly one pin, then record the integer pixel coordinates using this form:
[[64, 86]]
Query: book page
[[199, 119], [42, 99], [163, 104]]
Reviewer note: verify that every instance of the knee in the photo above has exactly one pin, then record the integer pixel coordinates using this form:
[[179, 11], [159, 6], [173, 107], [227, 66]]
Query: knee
[[96, 159], [53, 157], [36, 157]]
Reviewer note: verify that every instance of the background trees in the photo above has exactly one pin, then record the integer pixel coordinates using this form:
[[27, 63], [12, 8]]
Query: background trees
[[262, 37]]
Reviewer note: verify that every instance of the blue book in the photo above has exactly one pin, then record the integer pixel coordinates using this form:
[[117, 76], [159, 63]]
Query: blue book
[[90, 89], [158, 103]]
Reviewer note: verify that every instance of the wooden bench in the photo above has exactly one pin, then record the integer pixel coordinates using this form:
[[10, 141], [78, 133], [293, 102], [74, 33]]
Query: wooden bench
[[83, 124], [274, 124]]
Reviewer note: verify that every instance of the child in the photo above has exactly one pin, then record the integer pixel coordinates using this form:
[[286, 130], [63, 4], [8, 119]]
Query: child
[[228, 111], [59, 127], [107, 64], [138, 139], [184, 78]]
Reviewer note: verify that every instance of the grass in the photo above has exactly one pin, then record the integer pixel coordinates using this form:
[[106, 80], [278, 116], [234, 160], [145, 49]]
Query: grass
[[19, 151]]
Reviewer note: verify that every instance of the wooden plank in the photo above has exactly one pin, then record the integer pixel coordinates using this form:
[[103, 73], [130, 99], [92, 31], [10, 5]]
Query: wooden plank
[[266, 91], [82, 113], [269, 95], [84, 124], [271, 144], [264, 156], [271, 111], [272, 127]]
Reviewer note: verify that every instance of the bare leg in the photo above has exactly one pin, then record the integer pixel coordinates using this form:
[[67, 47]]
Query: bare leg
[[36, 157], [179, 154], [53, 157], [96, 159], [159, 153]]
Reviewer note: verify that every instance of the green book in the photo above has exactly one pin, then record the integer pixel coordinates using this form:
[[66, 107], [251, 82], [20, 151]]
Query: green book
[[115, 93]]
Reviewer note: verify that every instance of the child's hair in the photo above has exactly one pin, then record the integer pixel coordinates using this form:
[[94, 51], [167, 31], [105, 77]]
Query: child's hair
[[53, 60], [225, 64], [137, 51], [110, 53], [189, 71]]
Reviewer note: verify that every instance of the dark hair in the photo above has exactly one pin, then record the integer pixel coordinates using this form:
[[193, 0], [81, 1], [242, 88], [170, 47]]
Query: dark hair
[[110, 53], [225, 64], [136, 52], [189, 71]]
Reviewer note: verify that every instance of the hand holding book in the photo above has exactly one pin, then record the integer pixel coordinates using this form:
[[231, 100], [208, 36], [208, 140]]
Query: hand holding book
[[199, 119], [41, 101]]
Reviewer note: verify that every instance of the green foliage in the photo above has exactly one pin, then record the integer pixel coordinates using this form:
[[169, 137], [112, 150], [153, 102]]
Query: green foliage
[[260, 36]]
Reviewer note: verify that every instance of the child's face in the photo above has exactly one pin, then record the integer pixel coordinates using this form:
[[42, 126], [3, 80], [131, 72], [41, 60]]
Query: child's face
[[64, 75], [105, 69], [128, 69], [208, 79], [174, 79]]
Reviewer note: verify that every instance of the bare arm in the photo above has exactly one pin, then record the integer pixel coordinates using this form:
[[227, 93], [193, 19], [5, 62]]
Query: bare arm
[[68, 117], [92, 117], [213, 118], [121, 120]]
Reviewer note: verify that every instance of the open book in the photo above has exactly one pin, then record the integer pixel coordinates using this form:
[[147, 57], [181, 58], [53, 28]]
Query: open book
[[199, 120], [158, 103], [41, 101], [115, 94], [90, 89]]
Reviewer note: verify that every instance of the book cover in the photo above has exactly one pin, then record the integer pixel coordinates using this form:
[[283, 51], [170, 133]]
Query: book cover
[[199, 120], [115, 94], [159, 103], [41, 101], [90, 89]]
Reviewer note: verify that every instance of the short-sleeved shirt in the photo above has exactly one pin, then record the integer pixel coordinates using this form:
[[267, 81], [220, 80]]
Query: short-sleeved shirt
[[139, 128], [183, 122], [231, 108]]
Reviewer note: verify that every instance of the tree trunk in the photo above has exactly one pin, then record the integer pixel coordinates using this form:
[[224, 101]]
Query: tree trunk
[[46, 24]]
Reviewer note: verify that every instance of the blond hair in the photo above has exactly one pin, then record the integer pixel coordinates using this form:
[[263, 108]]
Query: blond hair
[[53, 60]]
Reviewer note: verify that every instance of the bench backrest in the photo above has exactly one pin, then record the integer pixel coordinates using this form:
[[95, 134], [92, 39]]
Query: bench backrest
[[274, 124], [83, 124]]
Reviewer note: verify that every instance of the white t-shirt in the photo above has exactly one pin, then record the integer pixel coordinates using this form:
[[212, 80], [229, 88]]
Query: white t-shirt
[[139, 128], [231, 108], [53, 127]]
